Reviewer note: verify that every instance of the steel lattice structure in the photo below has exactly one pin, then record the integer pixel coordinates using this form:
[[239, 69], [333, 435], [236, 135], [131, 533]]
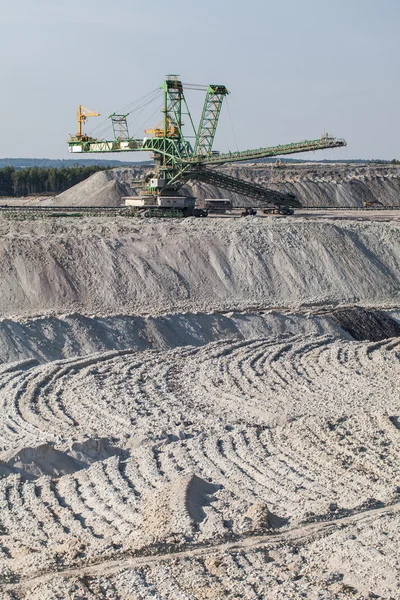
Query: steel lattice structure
[[177, 161]]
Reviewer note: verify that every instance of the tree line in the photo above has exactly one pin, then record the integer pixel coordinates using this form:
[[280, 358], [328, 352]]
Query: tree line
[[34, 180]]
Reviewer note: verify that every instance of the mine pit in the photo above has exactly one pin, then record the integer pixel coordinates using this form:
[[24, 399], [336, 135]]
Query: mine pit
[[185, 398]]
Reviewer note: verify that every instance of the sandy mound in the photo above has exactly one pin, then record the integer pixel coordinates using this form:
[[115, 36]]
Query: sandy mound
[[177, 508], [31, 463], [258, 518], [91, 450], [52, 338], [100, 189], [45, 459]]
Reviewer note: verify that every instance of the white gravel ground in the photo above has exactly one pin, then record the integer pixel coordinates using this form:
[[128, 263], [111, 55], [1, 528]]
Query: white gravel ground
[[248, 454], [293, 440]]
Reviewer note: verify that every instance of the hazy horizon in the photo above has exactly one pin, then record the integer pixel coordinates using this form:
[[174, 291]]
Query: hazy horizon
[[294, 71]]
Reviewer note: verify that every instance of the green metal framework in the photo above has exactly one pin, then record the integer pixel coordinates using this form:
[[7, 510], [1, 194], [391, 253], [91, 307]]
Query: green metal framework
[[176, 161], [209, 119], [120, 126], [173, 94], [245, 188], [322, 143]]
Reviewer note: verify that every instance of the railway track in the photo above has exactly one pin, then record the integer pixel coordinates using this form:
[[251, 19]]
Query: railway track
[[82, 211], [68, 209], [360, 208]]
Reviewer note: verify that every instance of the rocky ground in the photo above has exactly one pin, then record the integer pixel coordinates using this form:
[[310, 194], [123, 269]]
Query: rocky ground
[[197, 409]]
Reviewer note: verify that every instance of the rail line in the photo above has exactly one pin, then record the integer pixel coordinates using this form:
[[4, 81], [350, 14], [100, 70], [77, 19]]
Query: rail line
[[8, 208], [82, 211], [350, 208]]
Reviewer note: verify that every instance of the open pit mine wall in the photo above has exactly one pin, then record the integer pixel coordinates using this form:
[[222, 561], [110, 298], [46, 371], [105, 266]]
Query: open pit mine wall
[[103, 266], [316, 184]]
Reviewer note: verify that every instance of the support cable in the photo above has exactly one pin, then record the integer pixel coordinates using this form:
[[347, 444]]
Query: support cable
[[143, 108], [153, 94], [233, 128], [140, 108], [127, 107], [151, 116]]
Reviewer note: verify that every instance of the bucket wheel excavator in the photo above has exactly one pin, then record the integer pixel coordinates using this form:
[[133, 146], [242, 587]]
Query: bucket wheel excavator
[[177, 161]]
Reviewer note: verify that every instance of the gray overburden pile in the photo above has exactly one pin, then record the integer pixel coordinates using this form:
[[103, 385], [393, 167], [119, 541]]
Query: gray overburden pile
[[315, 184]]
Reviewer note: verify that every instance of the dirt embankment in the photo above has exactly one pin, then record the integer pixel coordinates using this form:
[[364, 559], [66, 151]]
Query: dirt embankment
[[106, 266], [57, 337], [317, 184]]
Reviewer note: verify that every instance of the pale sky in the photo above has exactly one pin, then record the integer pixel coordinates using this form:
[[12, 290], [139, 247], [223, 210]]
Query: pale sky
[[295, 69]]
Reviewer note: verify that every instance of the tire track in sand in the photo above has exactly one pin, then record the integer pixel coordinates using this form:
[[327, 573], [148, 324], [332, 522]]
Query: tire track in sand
[[300, 535]]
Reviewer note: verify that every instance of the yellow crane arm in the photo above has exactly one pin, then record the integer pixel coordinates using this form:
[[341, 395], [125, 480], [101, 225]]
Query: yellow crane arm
[[83, 114], [159, 132]]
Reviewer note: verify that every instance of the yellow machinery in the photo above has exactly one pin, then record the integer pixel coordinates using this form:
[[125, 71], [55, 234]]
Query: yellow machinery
[[83, 114], [172, 130], [372, 204]]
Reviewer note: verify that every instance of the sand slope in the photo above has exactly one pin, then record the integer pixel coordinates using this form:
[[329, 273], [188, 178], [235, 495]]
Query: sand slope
[[100, 189], [66, 336], [122, 266]]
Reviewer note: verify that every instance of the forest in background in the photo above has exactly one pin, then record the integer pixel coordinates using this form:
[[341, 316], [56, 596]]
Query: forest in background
[[17, 181], [58, 163], [35, 180]]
